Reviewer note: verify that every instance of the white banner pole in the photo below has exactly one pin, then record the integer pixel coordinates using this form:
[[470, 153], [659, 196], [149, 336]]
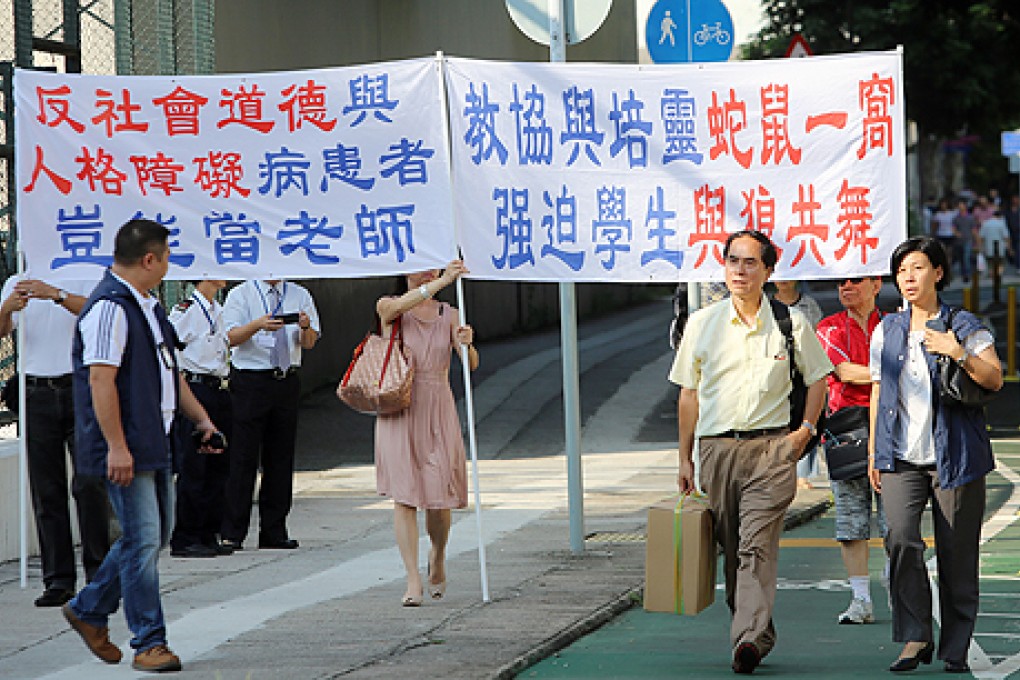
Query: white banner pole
[[469, 402], [22, 426]]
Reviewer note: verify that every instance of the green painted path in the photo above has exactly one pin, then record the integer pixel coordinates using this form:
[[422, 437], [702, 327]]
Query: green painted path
[[812, 591]]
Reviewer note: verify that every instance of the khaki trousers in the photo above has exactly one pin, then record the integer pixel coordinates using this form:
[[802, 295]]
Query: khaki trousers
[[750, 483]]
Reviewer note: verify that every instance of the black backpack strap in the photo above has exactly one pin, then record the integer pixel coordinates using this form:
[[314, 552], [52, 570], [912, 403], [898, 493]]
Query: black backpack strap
[[782, 315]]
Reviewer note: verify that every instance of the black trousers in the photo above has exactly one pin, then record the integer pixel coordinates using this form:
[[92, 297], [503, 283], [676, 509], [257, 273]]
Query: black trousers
[[50, 438], [956, 515], [201, 477], [265, 427]]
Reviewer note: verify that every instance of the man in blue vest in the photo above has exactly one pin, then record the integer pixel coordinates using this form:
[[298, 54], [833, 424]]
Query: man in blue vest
[[126, 391]]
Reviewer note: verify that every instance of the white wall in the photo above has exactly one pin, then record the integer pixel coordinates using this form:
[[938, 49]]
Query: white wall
[[9, 514]]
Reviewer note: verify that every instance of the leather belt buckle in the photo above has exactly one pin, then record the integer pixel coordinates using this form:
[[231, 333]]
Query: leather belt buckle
[[224, 383], [279, 373]]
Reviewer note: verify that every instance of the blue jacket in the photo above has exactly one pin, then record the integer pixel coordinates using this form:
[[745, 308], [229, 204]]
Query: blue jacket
[[963, 451], [138, 388]]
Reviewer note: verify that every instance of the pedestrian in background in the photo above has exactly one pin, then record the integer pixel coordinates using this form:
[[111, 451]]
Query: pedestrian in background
[[419, 452], [925, 451], [49, 314], [201, 477], [994, 240], [269, 324], [942, 228], [846, 337], [733, 368], [788, 292], [1012, 217], [126, 394], [966, 226]]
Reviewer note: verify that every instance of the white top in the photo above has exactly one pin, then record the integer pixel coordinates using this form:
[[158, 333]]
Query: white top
[[913, 438], [993, 231], [104, 331], [49, 328], [199, 325], [251, 300]]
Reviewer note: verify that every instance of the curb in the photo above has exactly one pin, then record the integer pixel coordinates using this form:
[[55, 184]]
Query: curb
[[614, 608]]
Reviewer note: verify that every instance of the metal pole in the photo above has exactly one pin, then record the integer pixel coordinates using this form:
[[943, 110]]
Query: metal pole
[[22, 444], [469, 399], [1011, 333], [568, 345]]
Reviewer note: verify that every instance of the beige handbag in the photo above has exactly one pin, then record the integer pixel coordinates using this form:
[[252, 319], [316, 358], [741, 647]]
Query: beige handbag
[[379, 378]]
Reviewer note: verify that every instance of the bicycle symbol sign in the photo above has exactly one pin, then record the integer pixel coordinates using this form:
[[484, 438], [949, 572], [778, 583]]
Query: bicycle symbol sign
[[689, 30]]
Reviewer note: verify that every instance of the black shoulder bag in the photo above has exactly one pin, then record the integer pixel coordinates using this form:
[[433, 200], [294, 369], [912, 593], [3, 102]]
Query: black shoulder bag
[[798, 395], [956, 387]]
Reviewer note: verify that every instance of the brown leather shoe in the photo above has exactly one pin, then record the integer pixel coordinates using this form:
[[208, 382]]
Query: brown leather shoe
[[156, 659], [96, 639]]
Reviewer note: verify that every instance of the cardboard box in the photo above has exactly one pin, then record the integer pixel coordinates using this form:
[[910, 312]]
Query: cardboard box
[[680, 556]]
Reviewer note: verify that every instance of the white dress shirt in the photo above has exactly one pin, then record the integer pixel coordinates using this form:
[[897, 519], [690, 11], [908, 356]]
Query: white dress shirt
[[251, 300], [199, 325]]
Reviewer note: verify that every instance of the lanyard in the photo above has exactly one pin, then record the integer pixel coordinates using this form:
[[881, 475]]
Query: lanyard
[[265, 305], [212, 324]]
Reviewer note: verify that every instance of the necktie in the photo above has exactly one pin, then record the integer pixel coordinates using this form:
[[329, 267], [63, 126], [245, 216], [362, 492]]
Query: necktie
[[280, 354]]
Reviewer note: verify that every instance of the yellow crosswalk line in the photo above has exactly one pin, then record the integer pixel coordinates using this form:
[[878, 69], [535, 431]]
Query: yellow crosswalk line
[[929, 541]]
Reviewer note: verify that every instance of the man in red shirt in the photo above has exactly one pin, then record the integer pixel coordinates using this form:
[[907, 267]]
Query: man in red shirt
[[845, 337]]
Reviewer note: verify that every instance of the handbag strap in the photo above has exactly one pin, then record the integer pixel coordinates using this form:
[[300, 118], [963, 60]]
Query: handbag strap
[[394, 332]]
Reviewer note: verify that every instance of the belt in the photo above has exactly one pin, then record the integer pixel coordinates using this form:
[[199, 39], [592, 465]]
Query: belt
[[275, 373], [209, 380], [55, 383], [748, 434]]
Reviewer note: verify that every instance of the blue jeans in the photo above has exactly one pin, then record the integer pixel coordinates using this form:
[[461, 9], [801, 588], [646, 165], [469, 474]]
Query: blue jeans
[[145, 510]]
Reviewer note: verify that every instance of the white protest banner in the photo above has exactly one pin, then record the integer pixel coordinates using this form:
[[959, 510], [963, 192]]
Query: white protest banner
[[599, 172], [325, 173]]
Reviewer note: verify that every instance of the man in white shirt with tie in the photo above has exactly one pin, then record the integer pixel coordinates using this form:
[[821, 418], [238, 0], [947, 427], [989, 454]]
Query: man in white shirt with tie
[[269, 324]]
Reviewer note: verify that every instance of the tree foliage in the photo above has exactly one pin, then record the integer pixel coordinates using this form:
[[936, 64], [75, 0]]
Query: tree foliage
[[960, 58]]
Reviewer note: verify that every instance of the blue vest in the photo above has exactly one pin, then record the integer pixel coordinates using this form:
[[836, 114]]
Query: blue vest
[[963, 452], [138, 388]]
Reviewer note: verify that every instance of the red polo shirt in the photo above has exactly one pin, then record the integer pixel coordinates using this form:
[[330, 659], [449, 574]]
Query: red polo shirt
[[843, 339]]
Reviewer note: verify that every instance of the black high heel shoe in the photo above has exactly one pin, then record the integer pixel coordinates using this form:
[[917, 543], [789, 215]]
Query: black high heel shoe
[[909, 663]]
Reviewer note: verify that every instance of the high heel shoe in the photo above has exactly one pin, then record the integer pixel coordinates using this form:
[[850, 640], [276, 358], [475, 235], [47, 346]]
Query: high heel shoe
[[411, 600], [437, 590], [909, 663]]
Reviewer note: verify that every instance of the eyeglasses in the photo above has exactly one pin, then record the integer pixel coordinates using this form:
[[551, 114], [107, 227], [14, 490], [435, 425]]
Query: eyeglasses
[[858, 280]]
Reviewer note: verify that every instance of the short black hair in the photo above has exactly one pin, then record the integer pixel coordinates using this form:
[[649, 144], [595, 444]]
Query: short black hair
[[933, 250], [137, 238], [769, 254]]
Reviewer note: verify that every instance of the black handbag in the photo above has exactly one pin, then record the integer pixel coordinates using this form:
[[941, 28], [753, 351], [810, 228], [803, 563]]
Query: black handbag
[[846, 443], [956, 387]]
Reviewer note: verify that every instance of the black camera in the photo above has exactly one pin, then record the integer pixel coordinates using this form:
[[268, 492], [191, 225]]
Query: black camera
[[287, 318], [217, 440]]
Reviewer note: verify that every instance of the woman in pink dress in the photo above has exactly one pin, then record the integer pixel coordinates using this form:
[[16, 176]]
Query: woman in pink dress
[[419, 452]]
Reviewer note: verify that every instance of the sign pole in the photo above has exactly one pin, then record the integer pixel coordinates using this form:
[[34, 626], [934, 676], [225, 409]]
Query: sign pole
[[568, 345]]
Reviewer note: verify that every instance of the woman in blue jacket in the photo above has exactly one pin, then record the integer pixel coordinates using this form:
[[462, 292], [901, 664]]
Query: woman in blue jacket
[[924, 450]]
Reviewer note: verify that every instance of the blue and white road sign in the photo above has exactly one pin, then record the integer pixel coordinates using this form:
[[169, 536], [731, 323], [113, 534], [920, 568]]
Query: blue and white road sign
[[689, 30], [1010, 143]]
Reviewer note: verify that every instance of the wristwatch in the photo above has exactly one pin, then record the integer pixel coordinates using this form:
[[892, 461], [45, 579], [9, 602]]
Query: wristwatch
[[61, 297], [810, 427]]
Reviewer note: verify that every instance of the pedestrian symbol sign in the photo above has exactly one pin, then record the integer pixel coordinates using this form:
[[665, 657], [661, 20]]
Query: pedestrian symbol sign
[[689, 30]]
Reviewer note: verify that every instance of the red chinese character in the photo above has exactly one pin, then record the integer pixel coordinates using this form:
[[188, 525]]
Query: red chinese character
[[99, 168], [245, 109], [306, 103], [181, 109], [759, 212], [728, 119], [875, 97], [836, 119], [808, 227], [709, 222], [775, 131], [158, 172], [110, 109], [62, 184], [855, 221], [55, 101], [219, 174]]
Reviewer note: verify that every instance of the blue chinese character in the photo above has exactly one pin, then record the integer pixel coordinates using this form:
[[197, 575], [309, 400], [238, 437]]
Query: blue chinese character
[[481, 133], [612, 225], [579, 109], [236, 240], [534, 135], [384, 229], [658, 213], [179, 259], [344, 163], [285, 169], [370, 94], [305, 229], [678, 115], [561, 227], [513, 226], [630, 131], [81, 234], [408, 162]]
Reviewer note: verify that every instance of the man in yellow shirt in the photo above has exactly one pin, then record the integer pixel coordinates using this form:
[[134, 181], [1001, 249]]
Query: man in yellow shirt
[[734, 372]]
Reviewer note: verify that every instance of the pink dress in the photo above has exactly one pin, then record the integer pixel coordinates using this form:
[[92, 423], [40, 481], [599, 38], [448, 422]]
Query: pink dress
[[419, 452]]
